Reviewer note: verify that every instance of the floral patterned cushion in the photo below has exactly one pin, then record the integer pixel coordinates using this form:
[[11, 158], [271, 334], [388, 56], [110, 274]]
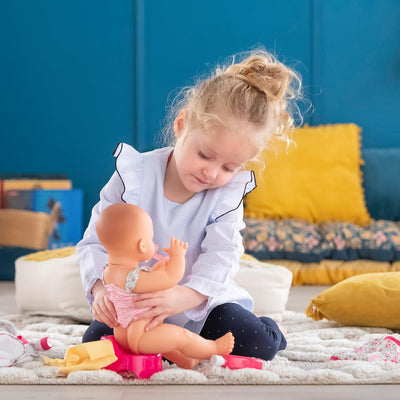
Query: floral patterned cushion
[[283, 239], [307, 242], [379, 241]]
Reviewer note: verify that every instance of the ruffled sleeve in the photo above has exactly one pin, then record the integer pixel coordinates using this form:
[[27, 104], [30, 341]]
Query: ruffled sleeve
[[233, 193], [129, 165], [213, 272]]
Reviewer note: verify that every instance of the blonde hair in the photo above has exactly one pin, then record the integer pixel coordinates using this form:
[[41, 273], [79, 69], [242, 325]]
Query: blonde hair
[[259, 90]]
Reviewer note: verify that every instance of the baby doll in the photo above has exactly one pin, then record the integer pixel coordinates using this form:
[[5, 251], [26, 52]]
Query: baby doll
[[126, 232]]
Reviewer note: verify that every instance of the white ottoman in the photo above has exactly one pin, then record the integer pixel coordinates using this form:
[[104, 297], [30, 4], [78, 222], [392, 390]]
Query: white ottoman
[[268, 284], [49, 283]]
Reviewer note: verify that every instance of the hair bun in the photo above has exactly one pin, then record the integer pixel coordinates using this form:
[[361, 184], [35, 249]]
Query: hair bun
[[255, 88], [263, 73]]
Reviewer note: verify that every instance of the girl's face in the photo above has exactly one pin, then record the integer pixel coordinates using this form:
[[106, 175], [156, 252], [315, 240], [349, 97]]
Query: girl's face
[[210, 161]]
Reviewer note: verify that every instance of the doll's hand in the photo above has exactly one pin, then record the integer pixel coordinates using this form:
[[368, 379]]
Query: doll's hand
[[102, 308], [176, 247], [165, 303]]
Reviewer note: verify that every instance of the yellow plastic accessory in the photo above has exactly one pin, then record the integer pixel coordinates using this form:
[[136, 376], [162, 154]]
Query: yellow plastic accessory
[[363, 300], [318, 179], [86, 356]]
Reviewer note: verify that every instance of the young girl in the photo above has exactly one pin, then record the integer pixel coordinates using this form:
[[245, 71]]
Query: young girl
[[194, 191]]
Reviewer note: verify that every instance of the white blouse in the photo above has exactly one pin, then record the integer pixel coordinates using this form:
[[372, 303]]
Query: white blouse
[[210, 222]]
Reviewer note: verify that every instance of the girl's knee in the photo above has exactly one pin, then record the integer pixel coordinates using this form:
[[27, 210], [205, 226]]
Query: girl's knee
[[273, 344], [95, 331], [275, 336]]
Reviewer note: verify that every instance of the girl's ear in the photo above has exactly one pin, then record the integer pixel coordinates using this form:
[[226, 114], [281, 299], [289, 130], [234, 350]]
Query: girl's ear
[[179, 123]]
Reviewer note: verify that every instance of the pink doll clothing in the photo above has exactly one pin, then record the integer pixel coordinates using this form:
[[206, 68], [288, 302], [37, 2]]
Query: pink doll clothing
[[123, 303], [386, 349], [123, 298]]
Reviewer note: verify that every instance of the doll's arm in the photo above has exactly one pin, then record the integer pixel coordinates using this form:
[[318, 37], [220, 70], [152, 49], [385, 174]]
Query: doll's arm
[[159, 265], [167, 274]]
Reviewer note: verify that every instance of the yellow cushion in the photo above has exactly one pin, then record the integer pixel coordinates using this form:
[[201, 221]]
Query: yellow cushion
[[329, 272], [363, 300], [318, 179], [248, 257]]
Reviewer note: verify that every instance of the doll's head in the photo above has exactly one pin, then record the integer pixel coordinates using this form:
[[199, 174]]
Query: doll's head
[[255, 96], [126, 232]]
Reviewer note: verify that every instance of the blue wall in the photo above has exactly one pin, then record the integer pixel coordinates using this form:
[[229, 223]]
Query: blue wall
[[67, 88], [178, 42], [78, 76], [357, 66]]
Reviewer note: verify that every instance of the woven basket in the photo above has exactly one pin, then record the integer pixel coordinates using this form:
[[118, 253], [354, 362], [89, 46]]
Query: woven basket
[[29, 229]]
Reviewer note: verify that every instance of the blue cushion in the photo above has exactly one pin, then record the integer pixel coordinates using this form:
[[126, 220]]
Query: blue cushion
[[381, 182]]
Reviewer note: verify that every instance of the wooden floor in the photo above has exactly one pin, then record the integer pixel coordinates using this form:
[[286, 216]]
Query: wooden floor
[[298, 300]]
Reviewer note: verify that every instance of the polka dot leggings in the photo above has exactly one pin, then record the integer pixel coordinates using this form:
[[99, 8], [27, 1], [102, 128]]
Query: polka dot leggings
[[254, 336]]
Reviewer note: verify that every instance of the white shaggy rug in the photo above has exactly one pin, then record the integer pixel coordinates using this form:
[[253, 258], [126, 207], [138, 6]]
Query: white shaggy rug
[[305, 361]]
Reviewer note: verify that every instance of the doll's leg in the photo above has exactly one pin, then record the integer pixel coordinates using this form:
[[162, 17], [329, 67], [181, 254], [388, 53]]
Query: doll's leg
[[121, 336], [95, 331], [181, 360], [168, 338], [254, 337]]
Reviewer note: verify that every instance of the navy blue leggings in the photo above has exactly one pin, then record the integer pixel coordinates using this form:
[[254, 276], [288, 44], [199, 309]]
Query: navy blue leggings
[[254, 336]]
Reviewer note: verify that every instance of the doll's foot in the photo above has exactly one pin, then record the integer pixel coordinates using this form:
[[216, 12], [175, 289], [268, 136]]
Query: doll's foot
[[225, 344]]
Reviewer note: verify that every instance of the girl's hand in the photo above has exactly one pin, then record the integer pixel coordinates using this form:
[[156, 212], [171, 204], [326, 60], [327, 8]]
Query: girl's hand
[[165, 303], [102, 308]]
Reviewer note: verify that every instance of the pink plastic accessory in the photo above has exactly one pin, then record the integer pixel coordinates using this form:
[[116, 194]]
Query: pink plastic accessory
[[142, 365], [157, 256], [38, 344], [236, 362]]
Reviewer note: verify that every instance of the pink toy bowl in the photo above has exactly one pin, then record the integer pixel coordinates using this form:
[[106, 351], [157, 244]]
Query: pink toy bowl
[[142, 365], [236, 362]]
